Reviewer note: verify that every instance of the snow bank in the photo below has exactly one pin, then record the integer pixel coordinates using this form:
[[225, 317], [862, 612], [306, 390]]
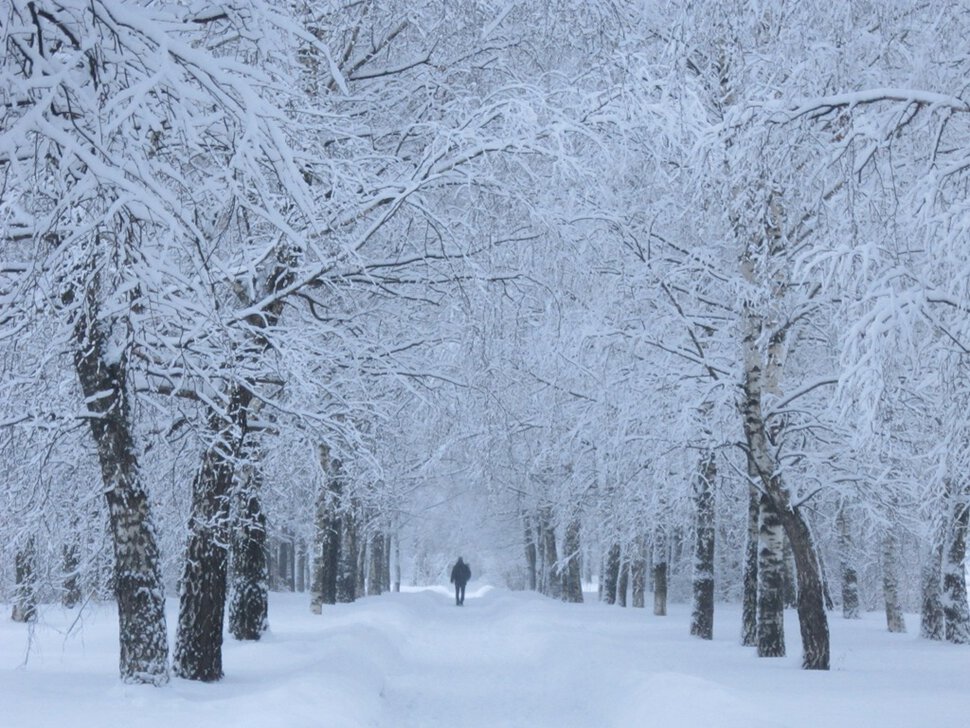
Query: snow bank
[[503, 659]]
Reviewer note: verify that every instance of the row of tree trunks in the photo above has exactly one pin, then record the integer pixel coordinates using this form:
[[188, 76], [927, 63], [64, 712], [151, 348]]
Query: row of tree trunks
[[288, 563], [623, 577], [203, 586], [24, 597], [284, 556]]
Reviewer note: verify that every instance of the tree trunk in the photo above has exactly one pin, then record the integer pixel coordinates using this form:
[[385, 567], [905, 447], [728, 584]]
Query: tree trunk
[[813, 623], [273, 563], [572, 585], [249, 579], [375, 547], [531, 555], [660, 575], [551, 582], [202, 594], [386, 565], [103, 571], [895, 621], [138, 587], [749, 598], [611, 574], [702, 616], [286, 562], [623, 585], [25, 574], [327, 534], [71, 595], [955, 610], [771, 598], [931, 577], [301, 566], [397, 562], [850, 580], [788, 576], [638, 574], [362, 555], [347, 571]]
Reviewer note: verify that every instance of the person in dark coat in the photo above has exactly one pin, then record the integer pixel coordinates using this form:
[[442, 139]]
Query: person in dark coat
[[460, 574]]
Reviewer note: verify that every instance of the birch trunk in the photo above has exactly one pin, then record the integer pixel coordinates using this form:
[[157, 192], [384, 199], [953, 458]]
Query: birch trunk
[[572, 587], [326, 534], [895, 621], [749, 598], [931, 578], [660, 589], [397, 561], [788, 577], [25, 575], [71, 595], [771, 589], [550, 582], [347, 566], [623, 585], [137, 577], [531, 555], [638, 575], [363, 546], [813, 623], [850, 580], [301, 566], [375, 547], [702, 616], [955, 609], [660, 575], [386, 564], [611, 574], [931, 605]]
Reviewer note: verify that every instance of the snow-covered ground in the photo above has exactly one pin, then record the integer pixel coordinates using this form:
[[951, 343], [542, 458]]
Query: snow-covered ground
[[504, 659]]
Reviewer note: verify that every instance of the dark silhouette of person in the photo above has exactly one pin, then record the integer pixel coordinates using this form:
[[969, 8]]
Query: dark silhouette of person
[[460, 574]]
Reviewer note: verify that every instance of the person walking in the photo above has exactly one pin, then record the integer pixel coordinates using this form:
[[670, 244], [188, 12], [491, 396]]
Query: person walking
[[460, 574]]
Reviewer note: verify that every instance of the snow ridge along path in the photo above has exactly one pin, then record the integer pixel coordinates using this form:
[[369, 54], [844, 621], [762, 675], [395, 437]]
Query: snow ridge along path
[[503, 659]]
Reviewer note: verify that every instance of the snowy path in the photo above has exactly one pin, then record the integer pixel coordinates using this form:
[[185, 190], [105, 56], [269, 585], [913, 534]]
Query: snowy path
[[487, 664], [504, 659]]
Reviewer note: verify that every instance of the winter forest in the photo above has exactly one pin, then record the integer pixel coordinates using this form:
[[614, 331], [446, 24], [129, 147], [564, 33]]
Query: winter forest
[[666, 299]]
